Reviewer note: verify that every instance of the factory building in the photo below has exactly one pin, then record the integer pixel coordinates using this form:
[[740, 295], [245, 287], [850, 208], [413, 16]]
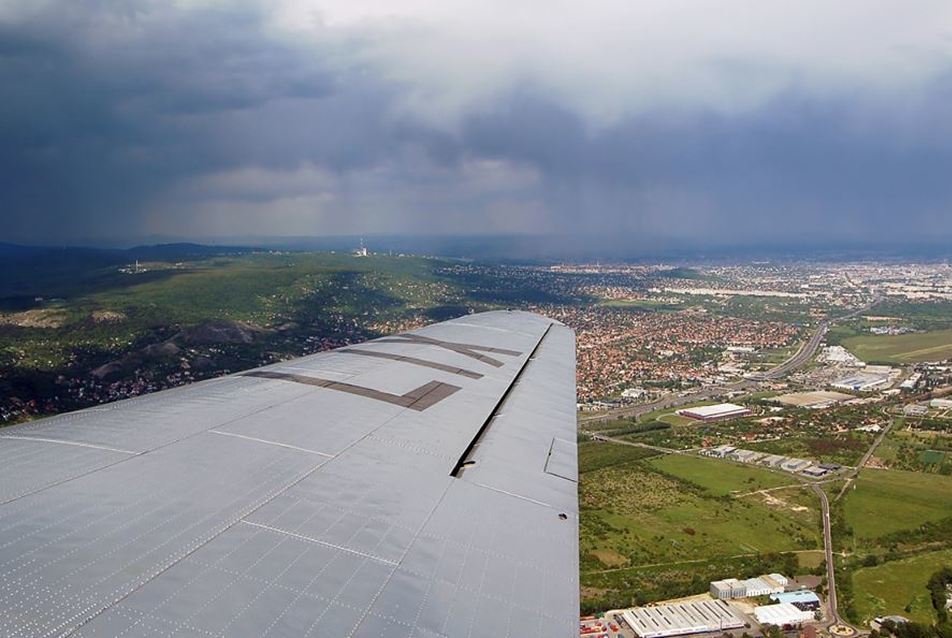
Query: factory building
[[941, 404], [763, 586], [719, 452], [727, 589], [795, 465], [716, 412], [681, 619], [803, 599], [760, 586], [782, 614], [872, 378]]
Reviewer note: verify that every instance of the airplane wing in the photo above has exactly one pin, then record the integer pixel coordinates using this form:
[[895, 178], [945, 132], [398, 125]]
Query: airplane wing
[[421, 485]]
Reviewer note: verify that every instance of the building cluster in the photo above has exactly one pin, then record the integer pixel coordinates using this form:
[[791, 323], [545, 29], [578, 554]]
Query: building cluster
[[775, 461], [718, 613], [869, 379]]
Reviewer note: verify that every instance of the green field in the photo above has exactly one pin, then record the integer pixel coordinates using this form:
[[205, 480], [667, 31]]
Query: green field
[[638, 512], [887, 501], [908, 348], [720, 477], [899, 587]]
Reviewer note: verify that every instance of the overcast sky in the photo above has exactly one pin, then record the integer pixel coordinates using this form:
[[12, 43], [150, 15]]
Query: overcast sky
[[658, 123]]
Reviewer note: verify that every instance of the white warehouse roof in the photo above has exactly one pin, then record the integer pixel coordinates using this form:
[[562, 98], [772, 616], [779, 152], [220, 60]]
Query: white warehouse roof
[[714, 411], [782, 614], [678, 619]]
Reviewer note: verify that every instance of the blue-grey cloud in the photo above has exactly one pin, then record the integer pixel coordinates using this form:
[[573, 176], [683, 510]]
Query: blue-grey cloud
[[126, 119]]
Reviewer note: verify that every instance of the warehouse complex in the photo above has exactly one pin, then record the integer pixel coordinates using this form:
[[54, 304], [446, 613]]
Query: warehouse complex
[[702, 615], [679, 619]]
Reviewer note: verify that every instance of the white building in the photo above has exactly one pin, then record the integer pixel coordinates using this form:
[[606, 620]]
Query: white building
[[763, 586], [680, 619], [780, 579], [715, 412], [915, 409], [795, 465], [782, 614], [727, 589], [941, 404]]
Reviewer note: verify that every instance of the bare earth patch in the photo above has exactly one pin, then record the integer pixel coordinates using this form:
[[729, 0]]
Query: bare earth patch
[[108, 316], [40, 318]]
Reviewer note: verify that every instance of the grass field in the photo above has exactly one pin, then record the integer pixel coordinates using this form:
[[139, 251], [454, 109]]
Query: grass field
[[899, 587], [886, 501], [676, 419], [909, 348], [719, 477]]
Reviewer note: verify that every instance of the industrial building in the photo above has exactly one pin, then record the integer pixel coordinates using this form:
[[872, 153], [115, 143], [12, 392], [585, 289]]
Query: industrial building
[[817, 400], [747, 456], [681, 619], [727, 589], [795, 465], [761, 586], [719, 452], [915, 409], [715, 412], [941, 404], [870, 379], [803, 599], [782, 614]]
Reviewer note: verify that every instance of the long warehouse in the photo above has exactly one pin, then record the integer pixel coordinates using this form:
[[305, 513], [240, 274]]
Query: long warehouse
[[680, 619]]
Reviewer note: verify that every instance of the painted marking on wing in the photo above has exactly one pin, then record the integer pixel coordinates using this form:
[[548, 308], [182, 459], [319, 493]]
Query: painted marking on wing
[[267, 442], [73, 443], [419, 399], [414, 361], [470, 350]]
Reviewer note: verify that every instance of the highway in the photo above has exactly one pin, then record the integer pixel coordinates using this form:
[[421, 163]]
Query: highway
[[800, 358]]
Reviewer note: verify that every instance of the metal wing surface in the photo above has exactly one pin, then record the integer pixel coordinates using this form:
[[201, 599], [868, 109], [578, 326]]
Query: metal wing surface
[[421, 485]]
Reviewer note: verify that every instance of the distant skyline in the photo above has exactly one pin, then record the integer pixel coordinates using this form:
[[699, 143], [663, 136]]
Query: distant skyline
[[649, 126]]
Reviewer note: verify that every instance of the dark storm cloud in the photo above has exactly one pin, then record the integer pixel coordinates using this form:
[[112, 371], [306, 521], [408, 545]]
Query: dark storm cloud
[[121, 119]]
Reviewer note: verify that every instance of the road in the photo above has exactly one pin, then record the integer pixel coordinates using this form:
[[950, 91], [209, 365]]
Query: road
[[828, 552], [808, 349], [670, 401], [664, 450], [800, 358]]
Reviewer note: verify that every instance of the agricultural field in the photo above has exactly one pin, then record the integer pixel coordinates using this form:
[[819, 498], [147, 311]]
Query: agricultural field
[[888, 501], [901, 349], [898, 587], [640, 510]]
